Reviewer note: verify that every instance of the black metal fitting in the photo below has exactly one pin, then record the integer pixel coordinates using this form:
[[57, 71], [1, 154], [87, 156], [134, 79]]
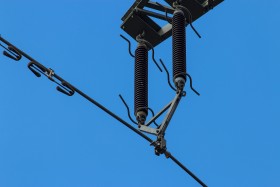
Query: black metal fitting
[[160, 145]]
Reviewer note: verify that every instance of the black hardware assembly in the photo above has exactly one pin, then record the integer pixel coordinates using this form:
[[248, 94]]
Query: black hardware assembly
[[141, 83], [138, 23]]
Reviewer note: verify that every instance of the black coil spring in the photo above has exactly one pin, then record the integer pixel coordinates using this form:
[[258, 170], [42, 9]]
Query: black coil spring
[[179, 44], [141, 80]]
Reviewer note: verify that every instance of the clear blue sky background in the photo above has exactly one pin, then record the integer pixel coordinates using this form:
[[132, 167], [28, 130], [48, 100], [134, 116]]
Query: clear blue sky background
[[229, 136]]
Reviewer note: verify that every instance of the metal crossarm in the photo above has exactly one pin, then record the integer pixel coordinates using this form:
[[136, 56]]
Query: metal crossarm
[[139, 16]]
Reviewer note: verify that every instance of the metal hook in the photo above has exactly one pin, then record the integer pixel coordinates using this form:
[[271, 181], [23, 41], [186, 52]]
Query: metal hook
[[129, 45], [38, 70], [65, 88], [168, 75], [140, 39], [11, 52], [128, 111], [190, 18]]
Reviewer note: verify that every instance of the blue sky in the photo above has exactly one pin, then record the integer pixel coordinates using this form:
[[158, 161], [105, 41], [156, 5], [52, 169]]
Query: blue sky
[[229, 136]]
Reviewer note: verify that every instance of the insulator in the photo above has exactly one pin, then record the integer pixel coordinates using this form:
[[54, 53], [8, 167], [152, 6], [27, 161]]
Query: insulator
[[141, 83], [179, 48]]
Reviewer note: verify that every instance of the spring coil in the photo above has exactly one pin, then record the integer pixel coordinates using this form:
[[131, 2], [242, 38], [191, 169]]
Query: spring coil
[[179, 45], [141, 80]]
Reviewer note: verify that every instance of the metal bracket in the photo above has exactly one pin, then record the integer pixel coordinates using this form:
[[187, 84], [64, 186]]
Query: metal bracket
[[149, 130], [160, 145], [139, 17], [170, 113], [160, 131]]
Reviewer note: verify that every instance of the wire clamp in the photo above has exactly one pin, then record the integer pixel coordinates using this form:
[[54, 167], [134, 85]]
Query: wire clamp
[[160, 145]]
